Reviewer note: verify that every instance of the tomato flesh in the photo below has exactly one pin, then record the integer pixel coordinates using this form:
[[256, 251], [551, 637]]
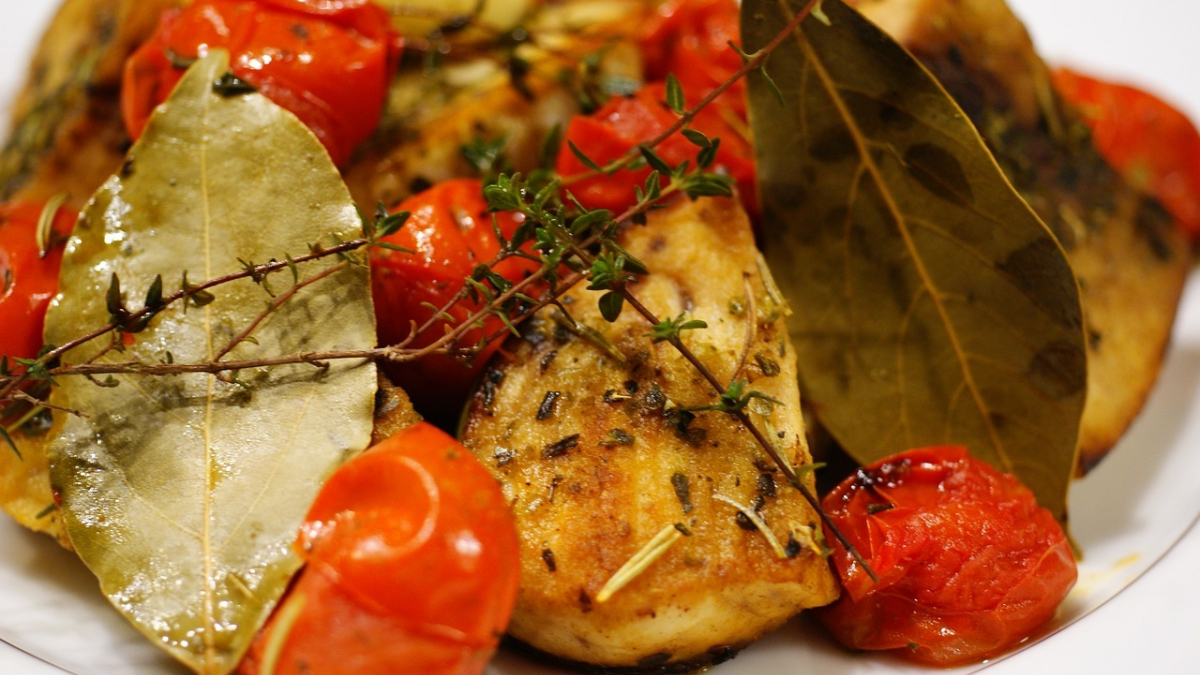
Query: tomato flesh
[[1154, 145], [968, 564], [28, 281], [412, 566], [449, 232], [329, 63]]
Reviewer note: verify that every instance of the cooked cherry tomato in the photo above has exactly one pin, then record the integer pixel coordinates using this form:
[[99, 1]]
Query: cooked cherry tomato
[[329, 63], [450, 232], [968, 563], [690, 39], [624, 122], [28, 281], [412, 567], [1153, 144]]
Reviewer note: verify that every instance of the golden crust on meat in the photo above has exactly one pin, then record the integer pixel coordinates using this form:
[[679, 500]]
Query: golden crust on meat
[[25, 485], [67, 135], [584, 431]]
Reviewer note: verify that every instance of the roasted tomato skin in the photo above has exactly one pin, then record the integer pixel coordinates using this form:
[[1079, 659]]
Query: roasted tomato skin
[[1153, 144], [28, 281], [412, 567], [449, 232], [968, 563], [329, 63], [690, 40], [626, 122]]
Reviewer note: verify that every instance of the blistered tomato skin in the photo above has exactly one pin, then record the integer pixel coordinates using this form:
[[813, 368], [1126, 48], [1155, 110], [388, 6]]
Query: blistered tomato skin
[[28, 281], [1154, 145], [412, 567], [968, 565], [329, 63], [449, 233]]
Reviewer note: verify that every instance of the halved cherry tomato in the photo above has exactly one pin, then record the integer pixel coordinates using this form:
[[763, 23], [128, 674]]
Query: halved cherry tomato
[[28, 281], [625, 122], [329, 63], [1154, 145], [412, 567], [450, 232], [968, 563]]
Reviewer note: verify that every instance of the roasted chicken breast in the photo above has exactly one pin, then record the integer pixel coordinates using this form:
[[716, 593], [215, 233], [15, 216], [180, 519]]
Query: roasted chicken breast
[[592, 429]]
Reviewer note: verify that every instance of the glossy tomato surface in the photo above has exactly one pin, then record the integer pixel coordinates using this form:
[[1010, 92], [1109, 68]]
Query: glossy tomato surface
[[412, 567], [1152, 143], [688, 39], [28, 280], [449, 233], [968, 564], [624, 123], [329, 63]]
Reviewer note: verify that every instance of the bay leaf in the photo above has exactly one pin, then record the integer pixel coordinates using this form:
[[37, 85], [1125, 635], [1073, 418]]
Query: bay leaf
[[931, 305], [183, 494]]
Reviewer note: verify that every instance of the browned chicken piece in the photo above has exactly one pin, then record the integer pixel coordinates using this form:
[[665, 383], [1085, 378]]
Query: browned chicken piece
[[67, 135], [480, 98], [25, 484], [586, 426], [431, 120], [1130, 259]]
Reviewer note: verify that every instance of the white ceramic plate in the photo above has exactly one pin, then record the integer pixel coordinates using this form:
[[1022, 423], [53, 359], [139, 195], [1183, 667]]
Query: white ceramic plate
[[1137, 604]]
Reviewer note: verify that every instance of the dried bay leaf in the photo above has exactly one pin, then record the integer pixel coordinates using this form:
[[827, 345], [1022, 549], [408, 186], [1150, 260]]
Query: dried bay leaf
[[183, 494], [931, 304]]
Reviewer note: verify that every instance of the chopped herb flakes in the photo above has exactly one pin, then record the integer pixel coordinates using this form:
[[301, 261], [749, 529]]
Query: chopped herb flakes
[[549, 405], [766, 485], [767, 365], [560, 447], [682, 490], [617, 437]]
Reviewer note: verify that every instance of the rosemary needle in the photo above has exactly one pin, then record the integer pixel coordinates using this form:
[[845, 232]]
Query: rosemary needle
[[641, 560]]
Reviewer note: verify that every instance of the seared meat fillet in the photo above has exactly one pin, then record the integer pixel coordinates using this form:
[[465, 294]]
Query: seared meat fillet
[[585, 427], [67, 135], [1130, 259], [25, 484]]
